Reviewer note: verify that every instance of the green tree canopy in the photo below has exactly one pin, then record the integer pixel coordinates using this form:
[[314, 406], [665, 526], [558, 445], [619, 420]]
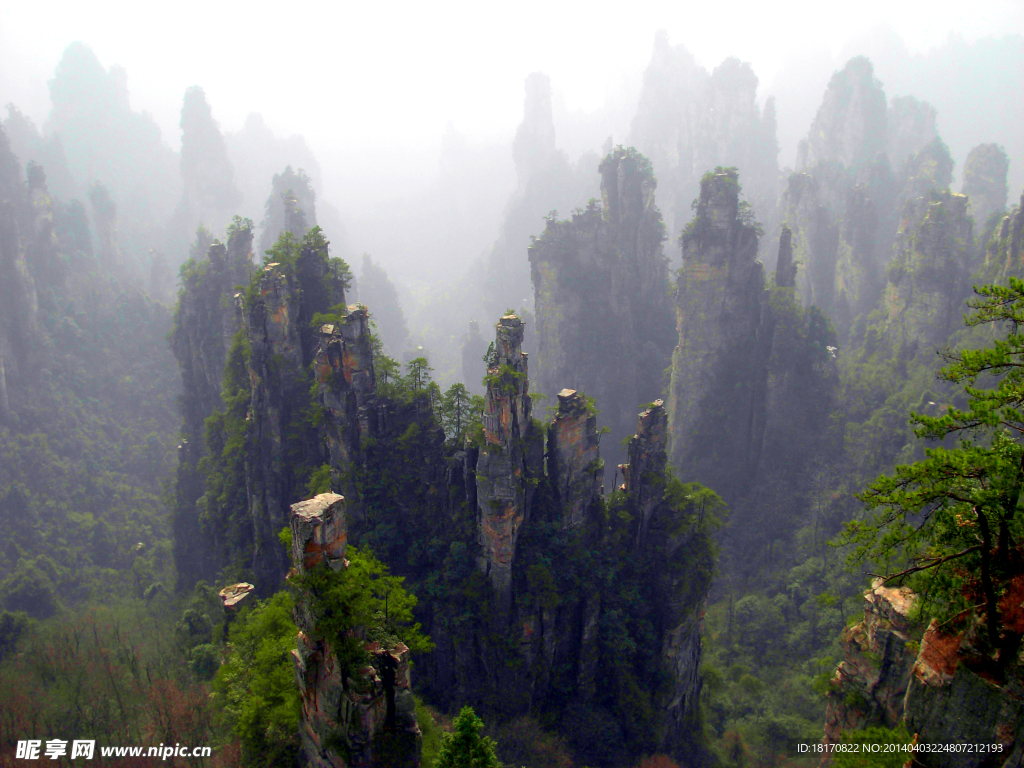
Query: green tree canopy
[[954, 519], [255, 687], [466, 746]]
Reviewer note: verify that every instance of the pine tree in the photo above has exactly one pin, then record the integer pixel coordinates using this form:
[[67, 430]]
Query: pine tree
[[465, 746], [956, 517]]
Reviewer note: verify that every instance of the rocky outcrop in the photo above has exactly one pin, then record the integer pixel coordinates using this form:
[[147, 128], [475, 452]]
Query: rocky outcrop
[[680, 572], [209, 194], [785, 267], [648, 457], [839, 203], [1006, 252], [600, 284], [930, 274], [376, 290], [870, 684], [473, 349], [517, 569], [897, 672], [719, 368], [346, 720], [985, 183], [859, 166], [511, 455], [19, 302], [42, 250], [258, 429], [545, 180]]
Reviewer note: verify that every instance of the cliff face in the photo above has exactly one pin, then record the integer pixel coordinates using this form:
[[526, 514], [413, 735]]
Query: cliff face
[[282, 345], [574, 460], [910, 127], [346, 722], [531, 533], [753, 376], [245, 359], [896, 671], [545, 180], [346, 382], [209, 195], [841, 234], [930, 273], [291, 207], [717, 424], [511, 455], [600, 285], [205, 323]]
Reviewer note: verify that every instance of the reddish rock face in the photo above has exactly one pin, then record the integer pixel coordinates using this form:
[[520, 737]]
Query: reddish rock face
[[318, 531], [370, 711], [870, 683], [931, 689], [511, 454]]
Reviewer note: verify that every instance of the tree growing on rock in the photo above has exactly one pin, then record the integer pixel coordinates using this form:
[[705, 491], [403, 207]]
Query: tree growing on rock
[[954, 519]]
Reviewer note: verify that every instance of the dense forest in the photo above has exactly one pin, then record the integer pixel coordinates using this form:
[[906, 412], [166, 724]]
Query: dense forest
[[727, 460]]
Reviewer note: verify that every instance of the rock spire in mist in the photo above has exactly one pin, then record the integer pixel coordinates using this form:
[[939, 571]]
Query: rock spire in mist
[[534, 142], [850, 126], [291, 207], [210, 195], [984, 182], [688, 121], [604, 318], [719, 368]]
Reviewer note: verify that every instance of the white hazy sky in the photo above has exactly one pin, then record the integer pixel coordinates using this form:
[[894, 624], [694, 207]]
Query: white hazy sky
[[387, 75], [372, 85]]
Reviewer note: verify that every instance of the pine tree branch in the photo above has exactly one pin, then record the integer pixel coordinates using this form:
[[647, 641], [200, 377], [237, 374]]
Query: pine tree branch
[[932, 564]]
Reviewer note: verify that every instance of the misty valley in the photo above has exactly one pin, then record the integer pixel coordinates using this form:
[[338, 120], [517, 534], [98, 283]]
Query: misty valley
[[704, 461]]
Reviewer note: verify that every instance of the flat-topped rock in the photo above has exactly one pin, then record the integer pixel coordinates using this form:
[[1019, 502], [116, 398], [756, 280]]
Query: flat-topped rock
[[232, 597], [319, 532]]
